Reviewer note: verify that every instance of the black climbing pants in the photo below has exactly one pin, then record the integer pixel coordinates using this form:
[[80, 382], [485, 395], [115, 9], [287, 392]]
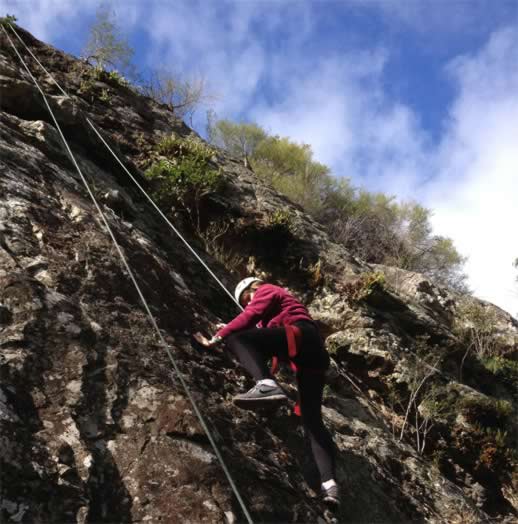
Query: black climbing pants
[[253, 348]]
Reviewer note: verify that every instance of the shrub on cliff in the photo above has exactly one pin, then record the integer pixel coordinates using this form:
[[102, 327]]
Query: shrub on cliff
[[7, 19], [183, 96], [184, 177], [505, 371], [476, 328]]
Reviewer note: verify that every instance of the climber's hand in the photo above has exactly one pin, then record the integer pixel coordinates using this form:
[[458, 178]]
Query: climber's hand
[[219, 326], [204, 341]]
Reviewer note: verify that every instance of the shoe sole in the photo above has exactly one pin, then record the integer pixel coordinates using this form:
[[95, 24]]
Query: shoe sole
[[331, 501], [254, 403]]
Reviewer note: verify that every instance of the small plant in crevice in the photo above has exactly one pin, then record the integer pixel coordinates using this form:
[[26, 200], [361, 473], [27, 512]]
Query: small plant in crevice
[[327, 392], [361, 288], [213, 237], [315, 274], [279, 219], [424, 404], [105, 96]]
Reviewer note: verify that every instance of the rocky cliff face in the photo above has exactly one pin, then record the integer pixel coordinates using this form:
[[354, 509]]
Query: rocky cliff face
[[94, 425]]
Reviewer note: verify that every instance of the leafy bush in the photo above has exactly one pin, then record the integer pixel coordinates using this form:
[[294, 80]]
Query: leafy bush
[[487, 452], [505, 371], [173, 147], [177, 179], [112, 77], [486, 412], [185, 177], [476, 327], [91, 75]]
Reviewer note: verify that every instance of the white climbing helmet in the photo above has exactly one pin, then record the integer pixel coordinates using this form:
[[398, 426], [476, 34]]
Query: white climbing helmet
[[244, 284]]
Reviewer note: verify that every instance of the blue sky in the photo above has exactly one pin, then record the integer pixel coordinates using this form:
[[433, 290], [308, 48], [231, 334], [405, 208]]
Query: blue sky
[[416, 98]]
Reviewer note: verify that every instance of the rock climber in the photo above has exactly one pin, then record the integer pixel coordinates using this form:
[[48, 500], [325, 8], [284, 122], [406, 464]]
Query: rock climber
[[275, 325]]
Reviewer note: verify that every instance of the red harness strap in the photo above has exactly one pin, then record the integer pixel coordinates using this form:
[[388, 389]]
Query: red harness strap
[[294, 337]]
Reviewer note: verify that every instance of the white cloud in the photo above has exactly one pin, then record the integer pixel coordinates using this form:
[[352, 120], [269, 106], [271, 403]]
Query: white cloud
[[339, 107], [221, 41], [194, 39], [476, 193]]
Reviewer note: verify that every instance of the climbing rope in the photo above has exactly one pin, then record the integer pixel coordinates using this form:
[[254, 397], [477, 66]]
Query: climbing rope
[[96, 131], [135, 283]]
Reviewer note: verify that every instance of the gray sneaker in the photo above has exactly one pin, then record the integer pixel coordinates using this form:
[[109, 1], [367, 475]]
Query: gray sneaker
[[260, 395], [331, 496]]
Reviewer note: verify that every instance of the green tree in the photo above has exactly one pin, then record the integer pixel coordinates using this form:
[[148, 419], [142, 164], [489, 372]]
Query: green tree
[[364, 222], [379, 230], [444, 264], [420, 251], [290, 168], [239, 139], [106, 45]]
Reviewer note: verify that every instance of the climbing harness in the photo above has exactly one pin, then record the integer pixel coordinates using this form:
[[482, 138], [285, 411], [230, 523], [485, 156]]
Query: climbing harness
[[130, 272], [294, 337], [294, 340]]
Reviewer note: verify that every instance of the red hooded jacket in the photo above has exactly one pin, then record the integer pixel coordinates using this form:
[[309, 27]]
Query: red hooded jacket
[[272, 306]]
